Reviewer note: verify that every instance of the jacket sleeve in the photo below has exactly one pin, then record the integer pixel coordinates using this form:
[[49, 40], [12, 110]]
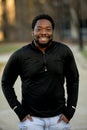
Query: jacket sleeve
[[72, 84], [9, 76]]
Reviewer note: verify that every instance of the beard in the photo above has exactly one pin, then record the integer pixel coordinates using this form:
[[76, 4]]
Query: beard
[[43, 45]]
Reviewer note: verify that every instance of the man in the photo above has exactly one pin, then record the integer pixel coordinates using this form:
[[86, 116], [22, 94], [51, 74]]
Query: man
[[43, 66]]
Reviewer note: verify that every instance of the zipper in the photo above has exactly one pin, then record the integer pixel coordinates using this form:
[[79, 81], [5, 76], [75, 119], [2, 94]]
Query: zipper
[[44, 62]]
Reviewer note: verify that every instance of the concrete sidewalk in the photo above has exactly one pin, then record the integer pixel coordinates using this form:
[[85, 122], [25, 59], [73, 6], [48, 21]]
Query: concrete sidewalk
[[4, 57], [9, 120], [79, 121]]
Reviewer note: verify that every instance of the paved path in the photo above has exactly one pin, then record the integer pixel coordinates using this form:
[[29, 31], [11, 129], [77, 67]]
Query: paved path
[[9, 120], [4, 57], [79, 121]]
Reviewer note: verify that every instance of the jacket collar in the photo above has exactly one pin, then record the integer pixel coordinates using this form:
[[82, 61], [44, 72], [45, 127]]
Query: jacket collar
[[49, 47]]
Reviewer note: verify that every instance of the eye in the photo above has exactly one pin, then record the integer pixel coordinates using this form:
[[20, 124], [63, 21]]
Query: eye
[[38, 29], [49, 29]]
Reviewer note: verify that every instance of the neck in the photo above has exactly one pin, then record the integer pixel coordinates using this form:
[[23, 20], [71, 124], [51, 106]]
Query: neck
[[40, 48]]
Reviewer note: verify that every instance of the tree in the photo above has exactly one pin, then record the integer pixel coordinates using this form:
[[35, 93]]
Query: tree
[[76, 31]]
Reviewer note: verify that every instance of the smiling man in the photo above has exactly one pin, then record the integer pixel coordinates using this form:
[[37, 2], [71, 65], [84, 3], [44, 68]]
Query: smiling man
[[43, 33], [43, 65]]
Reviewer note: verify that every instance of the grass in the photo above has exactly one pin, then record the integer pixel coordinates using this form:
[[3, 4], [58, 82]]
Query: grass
[[9, 47], [2, 66], [84, 53]]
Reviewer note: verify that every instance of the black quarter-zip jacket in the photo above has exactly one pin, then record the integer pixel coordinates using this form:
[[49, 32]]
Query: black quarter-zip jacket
[[43, 76]]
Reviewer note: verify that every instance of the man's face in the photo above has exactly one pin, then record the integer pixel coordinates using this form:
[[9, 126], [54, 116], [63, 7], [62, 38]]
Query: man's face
[[43, 32]]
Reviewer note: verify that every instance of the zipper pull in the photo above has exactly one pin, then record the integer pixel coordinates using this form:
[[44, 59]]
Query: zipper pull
[[45, 68]]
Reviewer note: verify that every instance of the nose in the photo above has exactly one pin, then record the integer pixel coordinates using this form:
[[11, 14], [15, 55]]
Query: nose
[[43, 31]]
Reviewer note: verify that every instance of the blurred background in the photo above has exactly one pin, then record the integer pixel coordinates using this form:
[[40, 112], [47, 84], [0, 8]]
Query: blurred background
[[70, 17]]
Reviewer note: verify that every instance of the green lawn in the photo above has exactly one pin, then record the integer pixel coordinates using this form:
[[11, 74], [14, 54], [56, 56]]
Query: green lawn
[[9, 47], [2, 66], [84, 53]]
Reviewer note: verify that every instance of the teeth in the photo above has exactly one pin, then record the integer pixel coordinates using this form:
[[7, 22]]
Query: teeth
[[43, 38]]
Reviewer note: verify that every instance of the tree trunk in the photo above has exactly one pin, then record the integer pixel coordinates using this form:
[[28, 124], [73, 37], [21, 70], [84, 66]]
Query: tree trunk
[[76, 31]]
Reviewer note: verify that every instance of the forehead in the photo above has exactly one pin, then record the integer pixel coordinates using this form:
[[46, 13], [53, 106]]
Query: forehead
[[43, 23]]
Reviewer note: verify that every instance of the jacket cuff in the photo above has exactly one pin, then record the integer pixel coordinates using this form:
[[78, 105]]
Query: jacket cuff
[[21, 113], [69, 112]]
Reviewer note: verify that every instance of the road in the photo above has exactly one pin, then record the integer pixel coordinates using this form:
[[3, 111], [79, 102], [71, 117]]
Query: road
[[9, 120]]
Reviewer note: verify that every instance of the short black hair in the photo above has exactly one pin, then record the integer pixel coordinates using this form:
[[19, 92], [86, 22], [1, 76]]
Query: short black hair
[[42, 16]]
